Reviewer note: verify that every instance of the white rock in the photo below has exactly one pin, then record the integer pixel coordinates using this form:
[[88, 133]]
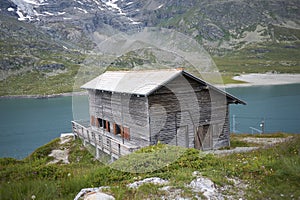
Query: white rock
[[154, 180], [85, 191], [99, 196], [196, 173], [93, 194], [207, 187]]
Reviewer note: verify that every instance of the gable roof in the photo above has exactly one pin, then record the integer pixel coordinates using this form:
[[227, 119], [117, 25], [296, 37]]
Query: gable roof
[[132, 82], [143, 82]]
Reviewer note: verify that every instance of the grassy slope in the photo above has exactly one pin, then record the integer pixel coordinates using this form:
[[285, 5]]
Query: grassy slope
[[281, 57], [271, 173], [276, 57], [34, 83], [23, 48]]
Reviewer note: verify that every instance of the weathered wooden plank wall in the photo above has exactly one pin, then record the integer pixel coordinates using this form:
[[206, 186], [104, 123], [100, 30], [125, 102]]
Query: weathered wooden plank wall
[[128, 111], [184, 104]]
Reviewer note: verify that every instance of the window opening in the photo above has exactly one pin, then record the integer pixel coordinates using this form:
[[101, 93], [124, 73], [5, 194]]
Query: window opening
[[117, 129], [107, 126], [100, 122]]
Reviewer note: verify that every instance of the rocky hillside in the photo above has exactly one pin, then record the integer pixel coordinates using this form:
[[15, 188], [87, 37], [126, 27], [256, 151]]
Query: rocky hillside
[[206, 20]]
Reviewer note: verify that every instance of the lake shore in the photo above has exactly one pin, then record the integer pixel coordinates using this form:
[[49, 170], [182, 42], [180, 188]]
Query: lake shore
[[39, 96], [256, 79], [253, 79]]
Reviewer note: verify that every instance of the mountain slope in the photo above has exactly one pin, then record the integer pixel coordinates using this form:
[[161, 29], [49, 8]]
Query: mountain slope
[[32, 61], [56, 35], [206, 19]]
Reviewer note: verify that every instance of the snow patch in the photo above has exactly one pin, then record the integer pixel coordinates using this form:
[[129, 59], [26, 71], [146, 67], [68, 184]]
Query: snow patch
[[82, 10], [80, 2], [113, 5], [133, 22], [136, 23], [37, 14], [10, 9], [26, 9], [22, 17], [20, 14], [48, 13], [160, 6], [97, 2], [33, 2]]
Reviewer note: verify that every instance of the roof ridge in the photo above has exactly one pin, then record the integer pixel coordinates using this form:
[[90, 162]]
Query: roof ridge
[[147, 70]]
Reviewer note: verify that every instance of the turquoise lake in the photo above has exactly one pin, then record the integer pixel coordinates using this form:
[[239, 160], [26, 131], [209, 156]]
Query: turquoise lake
[[27, 124]]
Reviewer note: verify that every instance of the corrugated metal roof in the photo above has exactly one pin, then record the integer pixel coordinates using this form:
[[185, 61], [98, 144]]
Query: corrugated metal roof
[[132, 82], [143, 82]]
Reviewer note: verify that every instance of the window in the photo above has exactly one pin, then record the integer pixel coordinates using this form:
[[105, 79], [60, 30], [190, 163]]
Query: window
[[106, 125], [117, 129], [100, 122]]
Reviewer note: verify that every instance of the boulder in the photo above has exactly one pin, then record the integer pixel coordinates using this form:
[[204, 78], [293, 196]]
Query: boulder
[[98, 196], [93, 194]]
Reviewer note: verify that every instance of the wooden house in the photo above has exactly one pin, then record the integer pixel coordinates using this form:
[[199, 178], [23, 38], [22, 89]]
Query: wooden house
[[133, 109]]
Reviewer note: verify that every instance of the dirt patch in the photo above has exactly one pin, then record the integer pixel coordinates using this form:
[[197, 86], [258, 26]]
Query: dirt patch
[[61, 155]]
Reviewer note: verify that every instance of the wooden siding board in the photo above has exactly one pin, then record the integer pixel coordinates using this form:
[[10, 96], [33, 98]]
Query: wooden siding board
[[212, 106], [125, 110]]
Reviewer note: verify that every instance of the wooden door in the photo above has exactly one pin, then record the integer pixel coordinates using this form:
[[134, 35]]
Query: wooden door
[[203, 137]]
